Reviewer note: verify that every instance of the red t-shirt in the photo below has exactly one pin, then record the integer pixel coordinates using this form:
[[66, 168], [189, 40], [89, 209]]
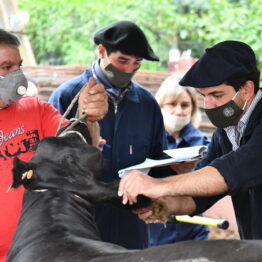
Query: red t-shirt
[[22, 126]]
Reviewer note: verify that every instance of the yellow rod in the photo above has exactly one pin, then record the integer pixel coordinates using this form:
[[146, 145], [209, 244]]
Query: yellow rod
[[220, 223]]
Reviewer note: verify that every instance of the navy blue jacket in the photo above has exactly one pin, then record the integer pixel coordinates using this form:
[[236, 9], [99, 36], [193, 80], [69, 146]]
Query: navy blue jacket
[[173, 232], [134, 133], [189, 136], [242, 171]]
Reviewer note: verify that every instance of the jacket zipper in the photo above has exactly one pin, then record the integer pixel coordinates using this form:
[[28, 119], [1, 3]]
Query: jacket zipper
[[115, 106]]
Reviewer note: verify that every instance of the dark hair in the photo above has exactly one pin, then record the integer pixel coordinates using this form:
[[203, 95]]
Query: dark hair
[[110, 49], [7, 38], [238, 82]]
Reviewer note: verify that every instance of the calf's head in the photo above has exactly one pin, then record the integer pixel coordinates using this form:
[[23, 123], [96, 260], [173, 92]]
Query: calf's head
[[71, 164], [66, 162]]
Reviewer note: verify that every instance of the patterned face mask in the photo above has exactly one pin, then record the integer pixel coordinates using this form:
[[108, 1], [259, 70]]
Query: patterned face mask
[[116, 77], [225, 115], [12, 86]]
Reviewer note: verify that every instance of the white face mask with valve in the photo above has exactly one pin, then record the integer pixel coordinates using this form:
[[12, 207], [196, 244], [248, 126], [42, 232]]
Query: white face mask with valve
[[12, 86], [175, 123]]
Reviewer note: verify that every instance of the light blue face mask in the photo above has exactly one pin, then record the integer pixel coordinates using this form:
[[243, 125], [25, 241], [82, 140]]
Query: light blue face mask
[[12, 86]]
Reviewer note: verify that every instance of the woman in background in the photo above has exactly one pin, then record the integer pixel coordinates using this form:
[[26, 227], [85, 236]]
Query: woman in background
[[181, 114], [181, 118]]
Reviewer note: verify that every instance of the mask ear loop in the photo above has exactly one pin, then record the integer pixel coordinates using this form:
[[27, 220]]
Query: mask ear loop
[[235, 95], [243, 108]]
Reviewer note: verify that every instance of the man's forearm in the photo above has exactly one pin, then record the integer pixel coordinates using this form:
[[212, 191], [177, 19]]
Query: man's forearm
[[203, 182], [180, 205]]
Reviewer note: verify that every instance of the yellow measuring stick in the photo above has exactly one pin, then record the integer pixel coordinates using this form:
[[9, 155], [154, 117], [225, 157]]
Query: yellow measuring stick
[[220, 223]]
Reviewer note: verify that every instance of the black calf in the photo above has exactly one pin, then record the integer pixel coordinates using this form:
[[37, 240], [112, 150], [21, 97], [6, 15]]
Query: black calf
[[57, 221]]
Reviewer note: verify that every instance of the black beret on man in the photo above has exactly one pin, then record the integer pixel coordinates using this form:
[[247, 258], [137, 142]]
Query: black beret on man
[[127, 37], [224, 61]]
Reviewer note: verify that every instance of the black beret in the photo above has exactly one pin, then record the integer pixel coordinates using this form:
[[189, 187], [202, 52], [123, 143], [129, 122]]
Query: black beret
[[224, 61], [126, 37]]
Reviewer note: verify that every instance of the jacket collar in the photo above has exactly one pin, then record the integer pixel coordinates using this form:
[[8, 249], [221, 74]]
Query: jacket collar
[[254, 118], [186, 135]]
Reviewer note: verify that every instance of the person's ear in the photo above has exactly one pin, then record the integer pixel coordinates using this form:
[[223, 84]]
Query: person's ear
[[101, 51], [248, 90]]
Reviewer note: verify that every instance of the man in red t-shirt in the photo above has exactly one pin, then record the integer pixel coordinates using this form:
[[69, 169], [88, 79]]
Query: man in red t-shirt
[[24, 121]]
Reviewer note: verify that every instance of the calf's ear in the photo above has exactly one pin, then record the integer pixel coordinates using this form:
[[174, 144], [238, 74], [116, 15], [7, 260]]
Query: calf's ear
[[22, 171]]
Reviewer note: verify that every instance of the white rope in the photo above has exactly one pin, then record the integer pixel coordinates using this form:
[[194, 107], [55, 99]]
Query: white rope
[[67, 112], [73, 132]]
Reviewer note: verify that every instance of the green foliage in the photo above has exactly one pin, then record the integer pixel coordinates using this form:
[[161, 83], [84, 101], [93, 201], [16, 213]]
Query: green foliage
[[61, 32]]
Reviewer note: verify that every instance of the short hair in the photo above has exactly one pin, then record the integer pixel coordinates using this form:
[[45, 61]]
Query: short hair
[[238, 82], [110, 49], [7, 38], [170, 90]]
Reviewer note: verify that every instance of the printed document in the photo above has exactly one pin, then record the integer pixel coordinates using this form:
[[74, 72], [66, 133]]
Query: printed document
[[177, 155]]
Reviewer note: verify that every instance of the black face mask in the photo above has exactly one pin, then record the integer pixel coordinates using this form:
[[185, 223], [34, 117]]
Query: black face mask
[[225, 115]]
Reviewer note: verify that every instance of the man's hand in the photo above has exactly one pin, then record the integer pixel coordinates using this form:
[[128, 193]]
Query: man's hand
[[137, 183], [175, 206], [184, 167], [143, 213], [93, 101]]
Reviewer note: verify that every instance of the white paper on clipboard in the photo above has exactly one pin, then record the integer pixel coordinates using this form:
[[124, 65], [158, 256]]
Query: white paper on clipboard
[[146, 165], [186, 153], [177, 155]]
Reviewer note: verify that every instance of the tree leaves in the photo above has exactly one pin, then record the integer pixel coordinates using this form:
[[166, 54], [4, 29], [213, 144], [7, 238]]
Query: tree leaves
[[61, 32]]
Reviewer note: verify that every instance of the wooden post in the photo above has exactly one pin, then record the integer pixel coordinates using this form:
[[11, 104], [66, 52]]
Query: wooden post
[[9, 21]]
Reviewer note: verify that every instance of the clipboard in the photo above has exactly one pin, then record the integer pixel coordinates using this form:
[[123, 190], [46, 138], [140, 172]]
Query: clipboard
[[177, 155]]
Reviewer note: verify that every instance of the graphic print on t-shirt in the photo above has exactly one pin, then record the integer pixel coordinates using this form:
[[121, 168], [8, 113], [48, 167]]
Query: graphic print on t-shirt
[[17, 142]]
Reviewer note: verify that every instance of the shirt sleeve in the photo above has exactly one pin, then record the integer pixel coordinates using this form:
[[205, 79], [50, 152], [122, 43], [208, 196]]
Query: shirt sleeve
[[60, 100], [241, 169], [62, 96], [211, 154], [204, 203], [50, 119], [159, 136]]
